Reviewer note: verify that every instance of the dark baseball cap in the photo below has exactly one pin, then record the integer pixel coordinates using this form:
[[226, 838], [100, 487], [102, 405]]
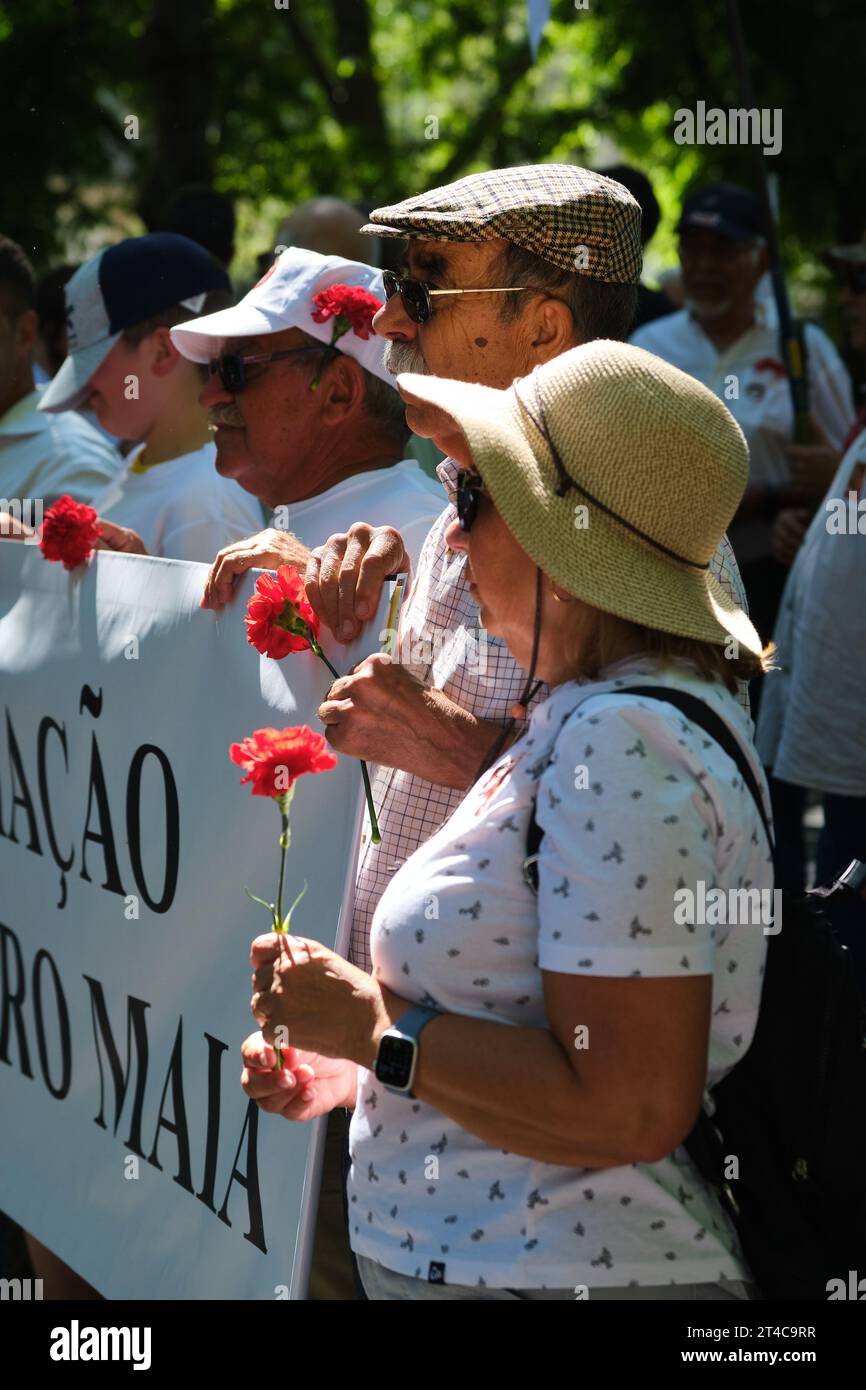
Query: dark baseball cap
[[724, 208], [120, 287]]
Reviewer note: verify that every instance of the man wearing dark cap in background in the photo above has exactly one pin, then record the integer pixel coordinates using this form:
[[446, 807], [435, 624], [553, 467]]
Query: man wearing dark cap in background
[[722, 338], [203, 215], [651, 304], [505, 270]]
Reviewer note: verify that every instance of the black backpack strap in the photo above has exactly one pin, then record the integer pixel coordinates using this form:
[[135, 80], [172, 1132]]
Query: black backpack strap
[[699, 712]]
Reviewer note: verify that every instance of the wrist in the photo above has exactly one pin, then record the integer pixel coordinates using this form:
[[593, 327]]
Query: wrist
[[383, 1009], [456, 742]]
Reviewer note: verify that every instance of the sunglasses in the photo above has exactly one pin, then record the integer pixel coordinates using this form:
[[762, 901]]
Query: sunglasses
[[470, 490], [417, 296], [232, 367]]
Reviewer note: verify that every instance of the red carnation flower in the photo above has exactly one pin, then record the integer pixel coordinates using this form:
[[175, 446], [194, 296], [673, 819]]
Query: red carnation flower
[[68, 532], [275, 758], [279, 619], [351, 306]]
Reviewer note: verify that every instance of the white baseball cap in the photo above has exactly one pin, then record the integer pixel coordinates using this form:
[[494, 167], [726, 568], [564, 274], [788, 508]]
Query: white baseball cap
[[284, 298]]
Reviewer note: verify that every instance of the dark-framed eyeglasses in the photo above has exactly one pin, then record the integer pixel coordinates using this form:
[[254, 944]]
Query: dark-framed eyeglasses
[[470, 490], [231, 366], [417, 295]]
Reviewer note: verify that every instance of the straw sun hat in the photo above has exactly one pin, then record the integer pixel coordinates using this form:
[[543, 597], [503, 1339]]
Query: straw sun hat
[[618, 474]]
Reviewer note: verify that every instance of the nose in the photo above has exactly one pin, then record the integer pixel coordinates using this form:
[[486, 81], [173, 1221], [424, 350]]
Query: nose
[[455, 537], [392, 321], [214, 393]]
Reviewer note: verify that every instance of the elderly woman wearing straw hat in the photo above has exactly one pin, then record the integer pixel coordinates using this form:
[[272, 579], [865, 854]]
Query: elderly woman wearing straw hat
[[526, 1061]]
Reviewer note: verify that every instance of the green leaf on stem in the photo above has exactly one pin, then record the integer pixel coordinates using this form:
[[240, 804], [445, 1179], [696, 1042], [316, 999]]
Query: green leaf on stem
[[287, 920]]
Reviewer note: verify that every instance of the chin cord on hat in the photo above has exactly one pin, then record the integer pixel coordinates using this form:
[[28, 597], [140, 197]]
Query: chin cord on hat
[[530, 688]]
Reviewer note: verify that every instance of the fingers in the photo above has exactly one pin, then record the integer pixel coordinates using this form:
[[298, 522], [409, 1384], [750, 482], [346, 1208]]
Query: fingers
[[253, 552], [385, 555], [120, 538], [229, 563], [267, 947], [347, 581], [277, 1092], [14, 530], [258, 1054], [263, 977], [345, 576], [265, 550], [331, 711], [327, 586]]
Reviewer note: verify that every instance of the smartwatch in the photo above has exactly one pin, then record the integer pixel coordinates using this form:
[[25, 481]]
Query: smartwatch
[[397, 1058]]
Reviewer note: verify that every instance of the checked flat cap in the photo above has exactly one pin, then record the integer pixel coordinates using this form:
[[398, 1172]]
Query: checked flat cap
[[571, 217]]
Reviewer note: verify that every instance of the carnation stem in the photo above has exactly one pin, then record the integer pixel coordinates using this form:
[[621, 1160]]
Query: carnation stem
[[321, 655], [368, 790], [283, 803]]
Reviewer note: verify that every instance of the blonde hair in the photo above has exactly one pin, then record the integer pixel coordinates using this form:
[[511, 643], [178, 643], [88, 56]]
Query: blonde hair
[[595, 639]]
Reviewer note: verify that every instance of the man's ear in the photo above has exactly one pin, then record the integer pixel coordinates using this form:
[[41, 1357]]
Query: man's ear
[[341, 387], [553, 330], [161, 354]]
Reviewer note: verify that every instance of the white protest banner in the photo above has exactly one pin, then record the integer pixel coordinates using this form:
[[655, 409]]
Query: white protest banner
[[126, 1143]]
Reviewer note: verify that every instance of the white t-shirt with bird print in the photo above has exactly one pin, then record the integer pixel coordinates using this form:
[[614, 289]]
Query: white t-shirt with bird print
[[636, 803]]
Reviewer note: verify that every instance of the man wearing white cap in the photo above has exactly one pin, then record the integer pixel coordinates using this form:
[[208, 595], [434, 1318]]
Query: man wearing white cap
[[305, 414], [307, 419]]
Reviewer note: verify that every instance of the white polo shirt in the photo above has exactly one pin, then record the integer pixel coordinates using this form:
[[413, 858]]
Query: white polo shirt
[[811, 725], [749, 377], [45, 455], [182, 508], [661, 808]]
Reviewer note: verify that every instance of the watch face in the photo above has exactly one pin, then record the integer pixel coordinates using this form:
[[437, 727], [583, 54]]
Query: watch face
[[394, 1062]]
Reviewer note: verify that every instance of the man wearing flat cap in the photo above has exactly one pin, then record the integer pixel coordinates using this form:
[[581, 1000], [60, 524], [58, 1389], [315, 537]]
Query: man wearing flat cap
[[504, 271]]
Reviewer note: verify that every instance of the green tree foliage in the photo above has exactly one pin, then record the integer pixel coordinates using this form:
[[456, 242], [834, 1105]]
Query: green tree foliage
[[374, 99]]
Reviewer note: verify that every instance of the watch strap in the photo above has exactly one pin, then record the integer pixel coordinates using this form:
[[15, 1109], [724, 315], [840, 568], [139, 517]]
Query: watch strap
[[411, 1023], [409, 1026]]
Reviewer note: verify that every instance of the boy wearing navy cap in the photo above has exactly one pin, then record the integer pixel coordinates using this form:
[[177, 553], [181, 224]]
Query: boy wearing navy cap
[[168, 500]]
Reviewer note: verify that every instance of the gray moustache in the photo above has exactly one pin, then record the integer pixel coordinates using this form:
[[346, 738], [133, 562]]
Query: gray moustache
[[404, 357], [230, 418]]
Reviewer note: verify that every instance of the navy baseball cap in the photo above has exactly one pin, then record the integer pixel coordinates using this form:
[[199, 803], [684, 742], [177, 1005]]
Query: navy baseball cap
[[725, 208], [119, 288]]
